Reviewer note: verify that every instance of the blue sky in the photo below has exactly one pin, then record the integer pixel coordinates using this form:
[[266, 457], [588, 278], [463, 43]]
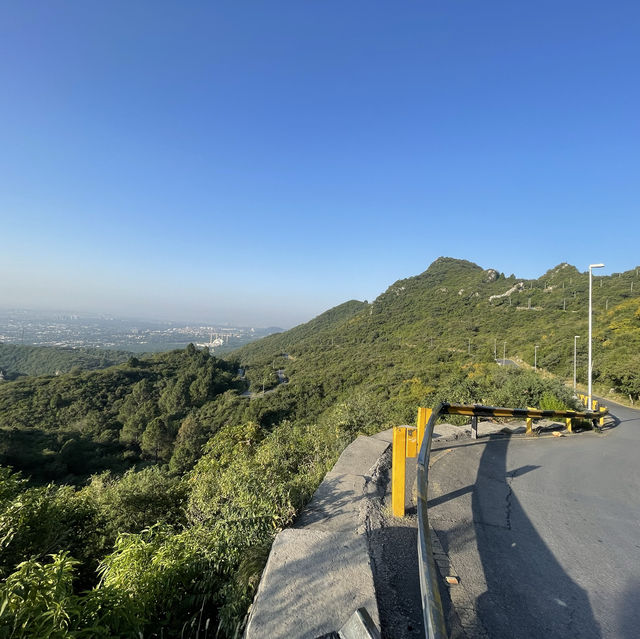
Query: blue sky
[[261, 162]]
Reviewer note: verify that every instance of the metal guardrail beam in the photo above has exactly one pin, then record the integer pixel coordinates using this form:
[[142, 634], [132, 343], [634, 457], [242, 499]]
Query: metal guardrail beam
[[535, 413], [434, 620]]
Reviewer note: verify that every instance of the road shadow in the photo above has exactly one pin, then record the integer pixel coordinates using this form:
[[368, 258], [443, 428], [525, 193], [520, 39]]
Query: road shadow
[[529, 594], [628, 613]]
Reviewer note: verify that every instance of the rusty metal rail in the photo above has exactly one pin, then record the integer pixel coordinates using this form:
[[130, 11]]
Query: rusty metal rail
[[434, 620]]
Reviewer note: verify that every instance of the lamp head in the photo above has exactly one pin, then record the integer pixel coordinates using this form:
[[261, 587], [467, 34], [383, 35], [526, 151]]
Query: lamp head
[[596, 265]]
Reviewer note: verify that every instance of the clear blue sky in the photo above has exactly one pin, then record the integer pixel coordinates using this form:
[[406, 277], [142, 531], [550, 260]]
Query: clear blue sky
[[261, 162]]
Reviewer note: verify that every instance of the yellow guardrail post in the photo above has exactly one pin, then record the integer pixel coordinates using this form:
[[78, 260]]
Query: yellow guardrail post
[[412, 442], [529, 423], [602, 410], [398, 470], [569, 423], [424, 414]]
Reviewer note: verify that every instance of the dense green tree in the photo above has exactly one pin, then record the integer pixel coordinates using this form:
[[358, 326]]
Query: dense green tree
[[157, 439]]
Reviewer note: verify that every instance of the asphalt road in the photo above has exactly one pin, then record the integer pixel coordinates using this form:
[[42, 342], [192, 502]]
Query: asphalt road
[[545, 532], [506, 362]]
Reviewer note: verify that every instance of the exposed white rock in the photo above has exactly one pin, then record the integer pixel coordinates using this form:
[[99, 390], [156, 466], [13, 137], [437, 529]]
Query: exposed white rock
[[516, 287]]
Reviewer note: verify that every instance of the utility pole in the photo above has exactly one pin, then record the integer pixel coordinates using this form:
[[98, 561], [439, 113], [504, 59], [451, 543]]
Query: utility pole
[[575, 353], [591, 266], [495, 348], [469, 346]]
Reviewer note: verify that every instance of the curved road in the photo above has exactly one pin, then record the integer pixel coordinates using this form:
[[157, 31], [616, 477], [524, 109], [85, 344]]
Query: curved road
[[545, 532]]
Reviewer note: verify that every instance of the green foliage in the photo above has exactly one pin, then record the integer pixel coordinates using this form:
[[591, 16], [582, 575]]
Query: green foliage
[[37, 598], [17, 360], [70, 426], [40, 521], [38, 601], [137, 500], [191, 480], [168, 576], [549, 401]]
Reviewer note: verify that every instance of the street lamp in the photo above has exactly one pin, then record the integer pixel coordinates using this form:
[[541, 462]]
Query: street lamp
[[591, 266], [535, 358], [575, 351]]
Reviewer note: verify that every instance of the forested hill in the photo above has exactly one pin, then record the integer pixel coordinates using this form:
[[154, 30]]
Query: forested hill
[[169, 481], [457, 312], [17, 359], [68, 426]]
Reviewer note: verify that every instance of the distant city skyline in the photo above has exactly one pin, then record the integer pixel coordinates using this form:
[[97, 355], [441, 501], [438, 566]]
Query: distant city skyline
[[260, 165], [164, 314]]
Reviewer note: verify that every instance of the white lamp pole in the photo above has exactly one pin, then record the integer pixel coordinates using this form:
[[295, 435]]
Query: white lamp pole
[[535, 358], [591, 266], [575, 351]]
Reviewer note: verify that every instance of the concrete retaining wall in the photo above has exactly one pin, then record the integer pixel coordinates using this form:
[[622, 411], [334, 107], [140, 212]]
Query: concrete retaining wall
[[319, 571]]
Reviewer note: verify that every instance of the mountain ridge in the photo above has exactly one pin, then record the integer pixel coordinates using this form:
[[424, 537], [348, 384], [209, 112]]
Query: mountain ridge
[[459, 306]]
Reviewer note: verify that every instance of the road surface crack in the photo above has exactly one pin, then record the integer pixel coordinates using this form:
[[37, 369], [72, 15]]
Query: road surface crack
[[508, 505]]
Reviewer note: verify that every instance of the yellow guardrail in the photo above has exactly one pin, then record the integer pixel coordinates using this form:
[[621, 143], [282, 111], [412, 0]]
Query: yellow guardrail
[[407, 440], [432, 610]]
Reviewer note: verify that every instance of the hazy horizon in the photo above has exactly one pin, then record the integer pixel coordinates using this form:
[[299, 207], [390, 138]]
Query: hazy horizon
[[205, 319]]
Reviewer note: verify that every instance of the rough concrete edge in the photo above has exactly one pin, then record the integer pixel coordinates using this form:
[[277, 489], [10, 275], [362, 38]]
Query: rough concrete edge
[[371, 474], [463, 616]]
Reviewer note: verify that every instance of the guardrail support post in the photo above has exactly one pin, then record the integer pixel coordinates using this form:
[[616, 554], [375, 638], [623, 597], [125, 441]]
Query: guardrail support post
[[529, 430], [424, 414], [412, 442], [474, 427], [602, 410], [569, 423], [398, 470]]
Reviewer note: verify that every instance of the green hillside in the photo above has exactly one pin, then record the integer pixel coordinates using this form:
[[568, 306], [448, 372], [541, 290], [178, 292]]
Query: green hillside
[[455, 316], [169, 475], [17, 359], [68, 426]]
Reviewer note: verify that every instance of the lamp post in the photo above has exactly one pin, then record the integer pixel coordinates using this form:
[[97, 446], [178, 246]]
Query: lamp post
[[591, 266], [575, 359], [535, 358]]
